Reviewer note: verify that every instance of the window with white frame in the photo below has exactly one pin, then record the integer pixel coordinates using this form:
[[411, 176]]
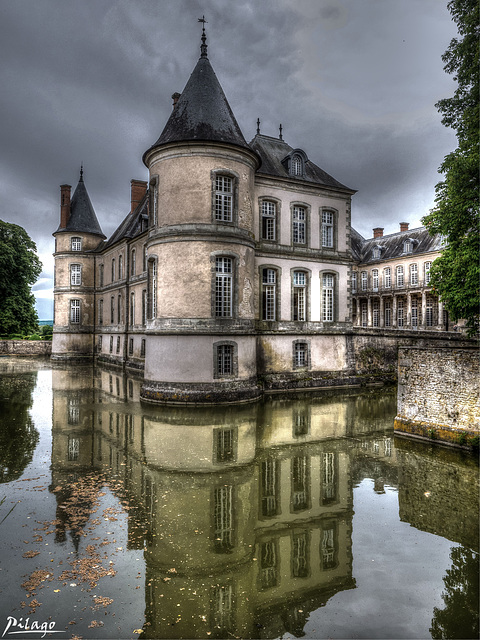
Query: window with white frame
[[388, 313], [76, 243], [414, 312], [400, 313], [376, 313], [75, 311], [400, 278], [300, 354], [413, 274], [407, 246], [375, 279], [269, 294], [327, 229], [364, 314], [364, 280], [328, 291], [299, 225], [427, 267], [300, 473], [354, 282], [376, 253], [297, 165], [223, 287], [75, 274], [429, 312], [299, 295], [387, 277], [73, 449], [152, 289], [223, 198], [300, 546], [269, 220]]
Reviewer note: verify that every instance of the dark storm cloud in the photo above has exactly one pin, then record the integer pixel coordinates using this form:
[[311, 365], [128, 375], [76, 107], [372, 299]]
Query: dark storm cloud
[[353, 82]]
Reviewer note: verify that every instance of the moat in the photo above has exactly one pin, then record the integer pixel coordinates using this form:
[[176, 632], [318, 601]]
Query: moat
[[290, 517]]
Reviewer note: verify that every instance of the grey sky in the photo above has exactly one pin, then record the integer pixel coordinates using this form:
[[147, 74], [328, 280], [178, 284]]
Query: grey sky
[[353, 82]]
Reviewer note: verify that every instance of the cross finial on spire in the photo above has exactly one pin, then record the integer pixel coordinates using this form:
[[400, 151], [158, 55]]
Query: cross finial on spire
[[258, 125], [203, 46], [81, 172], [280, 129]]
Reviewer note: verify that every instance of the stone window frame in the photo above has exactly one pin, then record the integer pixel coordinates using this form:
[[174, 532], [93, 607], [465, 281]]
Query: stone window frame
[[130, 346], [399, 269], [334, 225], [78, 274], [119, 308], [75, 311], [426, 272], [152, 287], [153, 201], [411, 272], [143, 348], [308, 365], [101, 275], [225, 376], [100, 344], [336, 295], [144, 306], [308, 283], [389, 285], [120, 266], [278, 210], [235, 177], [131, 314], [113, 274], [76, 243], [235, 295], [112, 309], [133, 261], [375, 275], [100, 311], [364, 281], [278, 271], [118, 345], [295, 163], [354, 281], [111, 346], [308, 209]]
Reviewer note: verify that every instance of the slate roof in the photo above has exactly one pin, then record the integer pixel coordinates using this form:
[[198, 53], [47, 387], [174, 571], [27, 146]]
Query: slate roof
[[392, 245], [82, 214], [273, 150], [202, 112], [132, 225]]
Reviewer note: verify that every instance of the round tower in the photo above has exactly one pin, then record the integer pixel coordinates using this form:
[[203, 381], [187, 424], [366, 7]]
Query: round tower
[[200, 343], [76, 239]]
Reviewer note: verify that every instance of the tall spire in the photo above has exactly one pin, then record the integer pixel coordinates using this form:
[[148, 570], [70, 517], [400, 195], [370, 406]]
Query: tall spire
[[203, 46]]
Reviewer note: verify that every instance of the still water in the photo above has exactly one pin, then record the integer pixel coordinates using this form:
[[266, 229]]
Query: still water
[[286, 518]]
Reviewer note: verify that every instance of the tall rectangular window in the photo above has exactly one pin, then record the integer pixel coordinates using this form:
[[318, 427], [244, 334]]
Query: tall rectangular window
[[413, 274], [328, 297], [429, 312], [120, 267], [387, 278], [75, 311], [75, 274], [223, 518], [270, 487], [299, 295], [223, 198], [152, 289], [269, 293], [118, 346], [224, 445], [375, 279], [400, 279], [400, 313], [354, 281], [100, 312], [225, 360], [300, 355], [364, 280], [113, 269], [132, 308], [414, 313], [119, 309], [300, 555], [327, 229], [101, 275], [427, 272], [133, 264], [376, 313], [144, 306], [269, 219], [299, 225], [112, 310], [388, 313], [329, 478], [364, 314], [223, 287]]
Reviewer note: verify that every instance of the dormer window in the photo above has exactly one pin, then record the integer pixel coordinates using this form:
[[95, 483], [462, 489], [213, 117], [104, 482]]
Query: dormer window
[[297, 166], [408, 246], [376, 253]]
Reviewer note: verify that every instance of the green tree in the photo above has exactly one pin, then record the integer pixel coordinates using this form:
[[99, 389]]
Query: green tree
[[456, 274], [19, 269]]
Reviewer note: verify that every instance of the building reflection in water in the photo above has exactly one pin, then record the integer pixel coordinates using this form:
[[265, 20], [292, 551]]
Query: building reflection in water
[[244, 513]]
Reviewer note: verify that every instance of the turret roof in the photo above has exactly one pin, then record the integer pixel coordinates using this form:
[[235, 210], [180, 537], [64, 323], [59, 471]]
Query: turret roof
[[82, 217]]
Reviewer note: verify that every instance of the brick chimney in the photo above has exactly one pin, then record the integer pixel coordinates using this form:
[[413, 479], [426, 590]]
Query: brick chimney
[[403, 226], [138, 188], [378, 232], [65, 190], [175, 98]]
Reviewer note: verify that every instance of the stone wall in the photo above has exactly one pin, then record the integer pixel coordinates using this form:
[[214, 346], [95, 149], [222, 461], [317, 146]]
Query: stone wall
[[439, 393], [26, 347]]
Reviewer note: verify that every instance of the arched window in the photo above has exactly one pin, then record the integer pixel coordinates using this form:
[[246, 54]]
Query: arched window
[[269, 294], [297, 165], [223, 287], [328, 297], [400, 279], [407, 246], [299, 296], [269, 220]]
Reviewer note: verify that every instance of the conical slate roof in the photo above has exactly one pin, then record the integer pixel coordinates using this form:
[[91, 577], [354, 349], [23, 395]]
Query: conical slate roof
[[82, 214], [202, 112]]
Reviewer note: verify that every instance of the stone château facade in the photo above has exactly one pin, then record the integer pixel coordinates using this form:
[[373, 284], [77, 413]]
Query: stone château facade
[[234, 266]]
